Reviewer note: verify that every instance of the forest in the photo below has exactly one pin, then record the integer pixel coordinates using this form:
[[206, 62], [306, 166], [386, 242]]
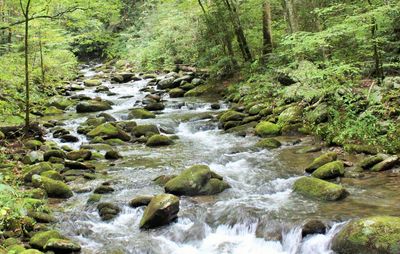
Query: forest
[[199, 126]]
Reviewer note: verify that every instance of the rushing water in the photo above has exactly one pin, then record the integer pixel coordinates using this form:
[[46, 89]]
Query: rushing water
[[259, 214]]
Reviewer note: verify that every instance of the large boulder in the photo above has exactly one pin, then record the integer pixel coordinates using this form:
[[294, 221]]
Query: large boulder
[[166, 83], [196, 180], [62, 246], [231, 115], [159, 140], [40, 239], [319, 189], [161, 210], [386, 164], [330, 170], [140, 113], [372, 235], [320, 161], [176, 93], [265, 129], [109, 131], [270, 143], [145, 130], [53, 188], [92, 106], [290, 115], [82, 154]]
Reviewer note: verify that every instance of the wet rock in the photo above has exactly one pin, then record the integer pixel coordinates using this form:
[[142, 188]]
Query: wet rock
[[162, 210], [92, 82], [53, 188], [69, 138], [109, 131], [265, 129], [112, 155], [166, 83], [177, 93], [127, 125], [79, 165], [36, 169], [42, 217], [52, 111], [140, 113], [94, 198], [309, 149], [100, 89], [145, 130], [155, 106], [108, 211], [159, 140], [40, 239], [199, 91], [82, 154], [52, 174], [386, 164], [54, 153], [330, 170], [196, 180], [92, 106], [33, 157], [33, 144], [107, 117], [367, 149], [313, 227], [319, 189], [62, 246], [163, 179], [231, 115], [215, 106], [154, 97], [372, 235], [270, 143], [104, 189], [58, 132], [320, 161], [140, 201]]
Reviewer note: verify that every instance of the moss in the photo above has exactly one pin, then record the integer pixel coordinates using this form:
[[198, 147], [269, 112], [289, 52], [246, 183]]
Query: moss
[[199, 91], [31, 251], [265, 129], [161, 210], [372, 235], [330, 170], [15, 249], [60, 102], [320, 161], [268, 143], [159, 140], [10, 241], [256, 109], [231, 115], [214, 186], [290, 115], [51, 111], [40, 239], [36, 169], [177, 92], [319, 189], [163, 179], [114, 142], [52, 174], [140, 113], [108, 131], [53, 188], [367, 149], [140, 201], [92, 106], [54, 153], [62, 245], [94, 198], [318, 115], [92, 82], [371, 161], [33, 144], [145, 130]]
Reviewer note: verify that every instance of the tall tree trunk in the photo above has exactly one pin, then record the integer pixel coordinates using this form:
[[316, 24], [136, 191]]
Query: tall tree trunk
[[41, 59], [267, 31], [291, 14], [26, 44], [377, 57]]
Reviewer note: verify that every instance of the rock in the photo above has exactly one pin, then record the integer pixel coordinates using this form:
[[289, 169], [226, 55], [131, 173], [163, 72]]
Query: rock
[[40, 239], [112, 155], [197, 81], [42, 217], [318, 115], [33, 144], [320, 161], [372, 235], [166, 83], [386, 164], [196, 180], [79, 165], [62, 246], [290, 115], [199, 91], [60, 102], [33, 157], [145, 130], [31, 251], [53, 188], [215, 106], [140, 113], [82, 154], [100, 89], [265, 129], [256, 109], [94, 198], [162, 210], [108, 211], [140, 201], [330, 170], [109, 131], [367, 149], [163, 179], [155, 106], [319, 189], [52, 111], [159, 140], [309, 149], [36, 169], [10, 242], [16, 248], [176, 93], [313, 227], [369, 162], [127, 125], [92, 106], [92, 82], [231, 115], [68, 138], [103, 189], [52, 174], [2, 136], [107, 117], [54, 153], [268, 143]]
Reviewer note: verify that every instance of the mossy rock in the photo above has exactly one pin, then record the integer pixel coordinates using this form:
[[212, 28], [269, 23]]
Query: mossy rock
[[320, 161], [318, 115], [367, 149], [36, 169], [53, 188], [15, 249], [32, 144], [309, 149], [145, 130], [161, 210], [330, 170], [163, 179], [319, 189], [42, 217], [270, 143], [40, 239], [92, 106], [177, 93], [290, 115], [62, 246], [369, 162], [52, 111], [265, 129], [10, 241], [256, 109], [199, 91], [52, 174], [372, 235], [386, 164], [140, 201], [60, 102], [232, 124], [109, 131], [231, 115], [92, 82], [140, 113], [214, 186], [82, 154], [94, 121], [159, 140], [54, 153], [2, 136], [31, 251], [114, 142]]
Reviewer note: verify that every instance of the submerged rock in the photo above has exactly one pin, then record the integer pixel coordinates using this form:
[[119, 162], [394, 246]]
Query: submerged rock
[[372, 235], [161, 210], [319, 189], [140, 113], [320, 161], [108, 211], [140, 201]]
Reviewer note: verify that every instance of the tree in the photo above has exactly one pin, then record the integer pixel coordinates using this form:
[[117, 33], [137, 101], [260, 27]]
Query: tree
[[25, 11], [267, 33]]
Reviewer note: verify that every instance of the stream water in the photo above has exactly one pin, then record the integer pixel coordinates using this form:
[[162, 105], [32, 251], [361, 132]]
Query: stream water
[[259, 214]]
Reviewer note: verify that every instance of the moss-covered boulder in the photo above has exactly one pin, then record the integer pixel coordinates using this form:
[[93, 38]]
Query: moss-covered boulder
[[140, 201], [62, 246], [199, 91], [31, 251], [108, 211], [15, 249], [36, 169], [145, 130], [60, 102], [40, 239], [109, 131], [386, 164], [270, 143], [176, 93], [265, 129], [112, 155], [82, 154], [163, 179], [319, 189], [92, 82], [92, 106], [372, 235], [230, 116], [161, 210], [52, 174], [290, 115], [367, 149], [33, 144], [53, 188], [55, 153], [52, 111], [140, 113], [155, 106], [159, 140], [369, 162], [330, 170], [2, 136], [196, 180], [320, 161]]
